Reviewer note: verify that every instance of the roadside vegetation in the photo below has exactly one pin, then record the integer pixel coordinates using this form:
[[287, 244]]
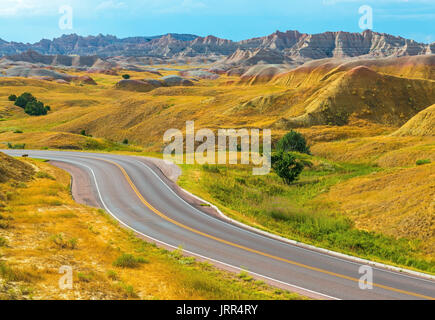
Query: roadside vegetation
[[297, 210]]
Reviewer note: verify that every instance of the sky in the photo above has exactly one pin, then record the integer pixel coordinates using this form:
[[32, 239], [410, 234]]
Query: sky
[[33, 20]]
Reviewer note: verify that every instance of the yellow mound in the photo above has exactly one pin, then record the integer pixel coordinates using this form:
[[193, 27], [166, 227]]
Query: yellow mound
[[11, 168], [423, 124], [398, 203], [365, 94]]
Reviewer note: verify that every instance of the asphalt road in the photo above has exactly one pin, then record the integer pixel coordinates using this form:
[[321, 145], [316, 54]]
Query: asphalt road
[[136, 194]]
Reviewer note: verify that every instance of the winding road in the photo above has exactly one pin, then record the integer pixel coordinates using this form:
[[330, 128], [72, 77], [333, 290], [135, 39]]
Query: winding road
[[135, 192]]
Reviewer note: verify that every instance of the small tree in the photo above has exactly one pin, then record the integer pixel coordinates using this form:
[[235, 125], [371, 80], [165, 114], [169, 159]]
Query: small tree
[[125, 141], [293, 141], [12, 97], [24, 99], [35, 108], [286, 166], [126, 76]]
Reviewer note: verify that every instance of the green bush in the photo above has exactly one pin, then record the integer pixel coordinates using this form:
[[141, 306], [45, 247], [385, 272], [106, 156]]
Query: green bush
[[293, 141], [286, 166], [125, 141], [128, 261], [35, 108], [422, 161], [44, 175], [24, 99], [16, 146], [12, 97], [126, 76], [31, 105]]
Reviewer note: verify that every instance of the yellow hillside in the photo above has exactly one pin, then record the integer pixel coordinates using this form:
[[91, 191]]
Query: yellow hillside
[[423, 124]]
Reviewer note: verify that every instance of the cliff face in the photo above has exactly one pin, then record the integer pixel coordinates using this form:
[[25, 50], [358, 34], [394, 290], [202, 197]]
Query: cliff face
[[292, 44]]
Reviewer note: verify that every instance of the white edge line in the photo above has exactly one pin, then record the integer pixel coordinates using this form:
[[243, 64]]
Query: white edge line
[[330, 253], [193, 253], [333, 254]]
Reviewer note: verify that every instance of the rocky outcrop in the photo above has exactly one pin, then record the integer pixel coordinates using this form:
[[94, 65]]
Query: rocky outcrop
[[291, 44], [47, 74], [143, 85], [257, 56]]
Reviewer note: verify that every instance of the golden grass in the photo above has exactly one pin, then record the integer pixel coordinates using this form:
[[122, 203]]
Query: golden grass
[[385, 151], [399, 203]]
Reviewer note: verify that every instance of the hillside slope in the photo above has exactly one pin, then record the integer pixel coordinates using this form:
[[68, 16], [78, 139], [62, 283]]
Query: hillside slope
[[11, 168], [423, 124], [366, 94]]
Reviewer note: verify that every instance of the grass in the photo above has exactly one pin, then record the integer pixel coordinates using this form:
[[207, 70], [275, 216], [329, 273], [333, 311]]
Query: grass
[[3, 242], [44, 175], [61, 242], [129, 261], [296, 211], [422, 161]]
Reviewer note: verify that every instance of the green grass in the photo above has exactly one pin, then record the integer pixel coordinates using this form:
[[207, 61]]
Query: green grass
[[129, 261], [44, 175], [293, 212], [422, 161]]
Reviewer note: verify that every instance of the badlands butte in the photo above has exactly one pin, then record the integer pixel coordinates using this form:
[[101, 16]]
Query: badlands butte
[[365, 103]]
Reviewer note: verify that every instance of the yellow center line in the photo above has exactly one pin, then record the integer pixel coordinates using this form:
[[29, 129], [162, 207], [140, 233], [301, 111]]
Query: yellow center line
[[146, 203]]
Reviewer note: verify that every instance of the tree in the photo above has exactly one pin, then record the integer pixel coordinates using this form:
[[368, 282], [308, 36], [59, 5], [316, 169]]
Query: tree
[[126, 76], [35, 108], [25, 98], [286, 166], [293, 141], [125, 141], [12, 97]]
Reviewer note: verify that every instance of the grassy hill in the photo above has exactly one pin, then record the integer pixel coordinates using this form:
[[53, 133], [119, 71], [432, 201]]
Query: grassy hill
[[353, 97], [423, 124], [369, 123]]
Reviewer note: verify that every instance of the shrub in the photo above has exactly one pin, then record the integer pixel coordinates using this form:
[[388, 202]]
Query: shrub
[[286, 166], [59, 241], [16, 146], [18, 131], [24, 99], [35, 108], [128, 261], [422, 161], [126, 76], [12, 97], [85, 277], [9, 274], [125, 141], [211, 168], [293, 141], [31, 105], [112, 275], [44, 175]]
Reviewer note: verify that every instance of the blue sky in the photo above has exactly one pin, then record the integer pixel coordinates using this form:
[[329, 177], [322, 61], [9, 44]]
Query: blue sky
[[32, 20]]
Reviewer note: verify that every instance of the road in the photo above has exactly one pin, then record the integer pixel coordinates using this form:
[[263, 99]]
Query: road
[[138, 195]]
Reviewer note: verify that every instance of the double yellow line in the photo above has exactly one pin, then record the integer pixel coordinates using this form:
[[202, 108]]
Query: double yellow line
[[163, 216]]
